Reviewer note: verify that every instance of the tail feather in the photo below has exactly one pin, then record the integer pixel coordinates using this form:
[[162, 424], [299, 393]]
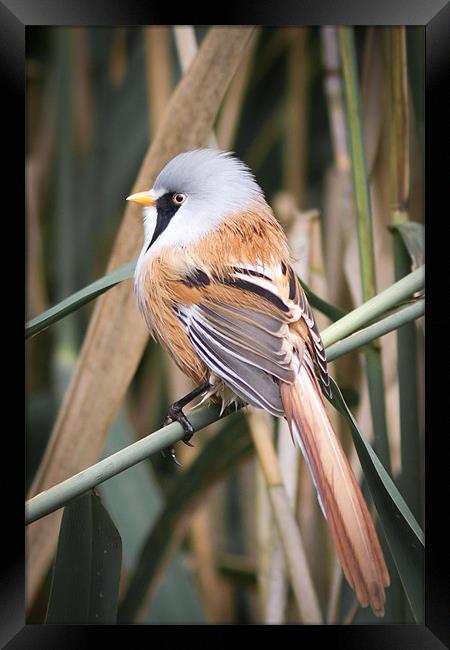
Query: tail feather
[[339, 495]]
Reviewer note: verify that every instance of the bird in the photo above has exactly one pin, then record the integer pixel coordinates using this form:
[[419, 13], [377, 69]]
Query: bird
[[215, 283]]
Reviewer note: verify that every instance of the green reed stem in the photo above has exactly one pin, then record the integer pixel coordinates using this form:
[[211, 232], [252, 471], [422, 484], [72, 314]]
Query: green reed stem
[[365, 237], [406, 335]]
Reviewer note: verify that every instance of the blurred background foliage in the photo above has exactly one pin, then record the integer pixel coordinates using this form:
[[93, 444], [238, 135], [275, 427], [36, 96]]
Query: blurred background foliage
[[94, 99]]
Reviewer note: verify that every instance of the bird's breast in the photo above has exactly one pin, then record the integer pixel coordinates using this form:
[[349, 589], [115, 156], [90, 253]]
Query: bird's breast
[[159, 292]]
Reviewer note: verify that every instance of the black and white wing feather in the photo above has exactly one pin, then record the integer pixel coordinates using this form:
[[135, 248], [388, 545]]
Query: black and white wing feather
[[252, 349]]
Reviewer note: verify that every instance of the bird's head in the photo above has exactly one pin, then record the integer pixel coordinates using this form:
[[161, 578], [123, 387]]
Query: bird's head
[[192, 195]]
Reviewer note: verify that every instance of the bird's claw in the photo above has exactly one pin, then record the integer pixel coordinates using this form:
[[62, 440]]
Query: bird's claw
[[176, 415], [170, 451]]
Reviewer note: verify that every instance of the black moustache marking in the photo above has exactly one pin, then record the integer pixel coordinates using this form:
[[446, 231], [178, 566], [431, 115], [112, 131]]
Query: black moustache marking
[[165, 210]]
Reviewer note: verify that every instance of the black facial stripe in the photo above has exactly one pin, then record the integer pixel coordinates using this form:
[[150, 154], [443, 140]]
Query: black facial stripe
[[165, 210]]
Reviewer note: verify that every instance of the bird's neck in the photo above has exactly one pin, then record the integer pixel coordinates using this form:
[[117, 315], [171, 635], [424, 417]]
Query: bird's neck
[[249, 237]]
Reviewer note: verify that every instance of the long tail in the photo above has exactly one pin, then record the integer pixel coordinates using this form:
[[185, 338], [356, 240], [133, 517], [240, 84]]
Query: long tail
[[340, 497]]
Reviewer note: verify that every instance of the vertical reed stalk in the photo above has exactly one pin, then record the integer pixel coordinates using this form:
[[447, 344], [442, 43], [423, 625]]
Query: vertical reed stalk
[[399, 124], [158, 70], [228, 121], [297, 109], [356, 145], [406, 335], [374, 369], [364, 230], [264, 531], [118, 57], [335, 100], [277, 587], [186, 44], [291, 540]]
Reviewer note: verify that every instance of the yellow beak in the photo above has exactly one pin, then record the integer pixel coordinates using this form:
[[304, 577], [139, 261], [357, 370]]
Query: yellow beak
[[143, 198]]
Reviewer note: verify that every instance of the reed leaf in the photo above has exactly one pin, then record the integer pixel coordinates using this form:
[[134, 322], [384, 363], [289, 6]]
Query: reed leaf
[[413, 237], [78, 299], [403, 534], [85, 586]]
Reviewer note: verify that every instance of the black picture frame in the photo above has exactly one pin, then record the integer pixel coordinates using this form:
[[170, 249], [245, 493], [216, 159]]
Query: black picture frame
[[434, 15]]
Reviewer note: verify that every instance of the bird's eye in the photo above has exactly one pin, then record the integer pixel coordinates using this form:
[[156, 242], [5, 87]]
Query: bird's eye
[[179, 198]]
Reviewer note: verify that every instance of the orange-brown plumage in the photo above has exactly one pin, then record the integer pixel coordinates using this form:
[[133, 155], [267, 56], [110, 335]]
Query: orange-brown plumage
[[241, 239], [223, 300]]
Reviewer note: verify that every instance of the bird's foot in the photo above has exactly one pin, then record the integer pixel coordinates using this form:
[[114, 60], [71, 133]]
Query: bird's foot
[[175, 414]]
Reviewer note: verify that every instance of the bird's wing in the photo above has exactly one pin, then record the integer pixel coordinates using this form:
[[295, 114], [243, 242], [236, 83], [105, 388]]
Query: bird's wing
[[244, 326], [313, 338]]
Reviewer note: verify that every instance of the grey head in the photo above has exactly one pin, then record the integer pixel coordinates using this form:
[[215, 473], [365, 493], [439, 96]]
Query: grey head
[[209, 174], [194, 192]]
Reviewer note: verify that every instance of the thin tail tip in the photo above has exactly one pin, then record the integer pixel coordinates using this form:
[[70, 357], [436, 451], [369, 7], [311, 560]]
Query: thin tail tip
[[378, 612], [378, 597], [371, 593]]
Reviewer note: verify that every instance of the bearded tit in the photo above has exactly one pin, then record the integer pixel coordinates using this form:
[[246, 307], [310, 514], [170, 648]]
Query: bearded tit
[[215, 285]]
